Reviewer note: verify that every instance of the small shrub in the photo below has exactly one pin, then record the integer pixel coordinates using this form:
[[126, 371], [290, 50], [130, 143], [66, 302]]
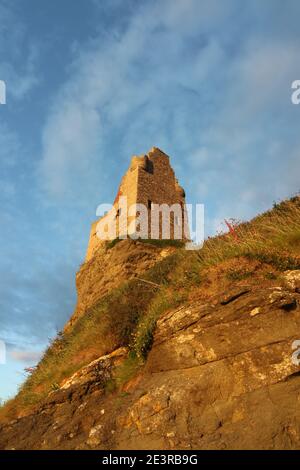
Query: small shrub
[[127, 370], [143, 337], [271, 276], [112, 243], [124, 308], [161, 272]]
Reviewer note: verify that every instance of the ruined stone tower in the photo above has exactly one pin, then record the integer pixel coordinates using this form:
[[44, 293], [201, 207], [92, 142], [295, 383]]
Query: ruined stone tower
[[149, 180]]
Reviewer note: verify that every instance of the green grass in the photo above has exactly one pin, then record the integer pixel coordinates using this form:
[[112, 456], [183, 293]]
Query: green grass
[[149, 241], [127, 370], [144, 333], [271, 276], [162, 243], [271, 238], [110, 244]]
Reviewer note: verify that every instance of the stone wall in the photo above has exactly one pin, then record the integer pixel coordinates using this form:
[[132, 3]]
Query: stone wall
[[158, 185], [149, 180], [127, 187]]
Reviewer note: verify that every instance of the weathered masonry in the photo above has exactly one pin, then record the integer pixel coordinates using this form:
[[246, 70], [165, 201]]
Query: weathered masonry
[[149, 180]]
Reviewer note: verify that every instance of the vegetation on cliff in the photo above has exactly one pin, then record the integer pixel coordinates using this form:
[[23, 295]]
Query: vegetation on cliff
[[127, 315]]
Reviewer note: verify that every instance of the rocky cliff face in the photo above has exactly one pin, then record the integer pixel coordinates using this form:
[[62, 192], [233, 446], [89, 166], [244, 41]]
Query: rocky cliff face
[[170, 349], [220, 375], [110, 268], [226, 379]]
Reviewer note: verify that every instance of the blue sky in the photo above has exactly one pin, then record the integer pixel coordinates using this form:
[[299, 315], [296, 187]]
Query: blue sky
[[92, 82]]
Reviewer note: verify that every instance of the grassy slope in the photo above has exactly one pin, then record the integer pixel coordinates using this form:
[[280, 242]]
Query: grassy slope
[[127, 316]]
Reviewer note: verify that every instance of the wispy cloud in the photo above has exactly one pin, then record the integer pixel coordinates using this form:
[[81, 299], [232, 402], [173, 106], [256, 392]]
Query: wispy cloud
[[125, 84]]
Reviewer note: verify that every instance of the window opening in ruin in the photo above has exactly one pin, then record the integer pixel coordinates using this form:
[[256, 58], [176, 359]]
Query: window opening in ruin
[[149, 167]]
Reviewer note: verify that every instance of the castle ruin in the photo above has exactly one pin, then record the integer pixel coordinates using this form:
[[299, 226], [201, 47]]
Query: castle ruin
[[149, 180]]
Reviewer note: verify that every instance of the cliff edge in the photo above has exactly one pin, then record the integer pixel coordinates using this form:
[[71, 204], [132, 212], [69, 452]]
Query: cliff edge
[[190, 350]]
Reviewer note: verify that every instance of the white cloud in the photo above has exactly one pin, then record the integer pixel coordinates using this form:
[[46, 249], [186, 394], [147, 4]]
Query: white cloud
[[125, 83], [70, 139]]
